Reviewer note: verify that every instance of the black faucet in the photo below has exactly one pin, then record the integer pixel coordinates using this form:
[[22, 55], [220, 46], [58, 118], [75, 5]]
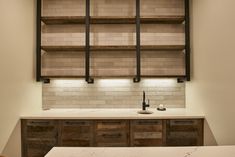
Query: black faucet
[[144, 104]]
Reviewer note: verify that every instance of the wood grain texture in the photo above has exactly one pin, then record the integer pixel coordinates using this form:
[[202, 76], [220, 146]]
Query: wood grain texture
[[184, 132], [147, 133], [55, 20], [76, 133], [113, 48], [39, 136], [112, 133]]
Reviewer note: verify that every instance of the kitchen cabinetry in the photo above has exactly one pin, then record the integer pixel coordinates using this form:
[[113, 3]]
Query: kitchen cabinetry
[[39, 136], [147, 132], [76, 133], [125, 38], [112, 133], [184, 132]]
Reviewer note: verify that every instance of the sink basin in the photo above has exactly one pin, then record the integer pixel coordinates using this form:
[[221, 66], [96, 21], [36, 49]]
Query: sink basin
[[145, 112]]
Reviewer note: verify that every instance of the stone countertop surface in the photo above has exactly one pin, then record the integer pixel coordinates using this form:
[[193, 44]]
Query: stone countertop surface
[[206, 151], [112, 114]]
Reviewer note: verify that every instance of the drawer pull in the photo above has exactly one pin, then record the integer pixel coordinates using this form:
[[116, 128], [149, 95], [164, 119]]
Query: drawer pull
[[75, 123], [149, 122], [38, 123], [111, 135], [183, 122], [111, 123]]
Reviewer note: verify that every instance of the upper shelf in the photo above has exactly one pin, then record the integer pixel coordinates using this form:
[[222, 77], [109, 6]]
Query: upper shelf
[[52, 20], [115, 48]]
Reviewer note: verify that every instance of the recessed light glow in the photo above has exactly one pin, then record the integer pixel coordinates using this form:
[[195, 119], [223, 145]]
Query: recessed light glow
[[68, 82], [114, 82], [159, 82]]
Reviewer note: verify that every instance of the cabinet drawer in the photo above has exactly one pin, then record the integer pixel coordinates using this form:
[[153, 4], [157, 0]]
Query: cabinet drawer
[[147, 133], [112, 138], [39, 148], [147, 125], [111, 125], [112, 133], [184, 125], [182, 142], [41, 129], [185, 132], [38, 137], [76, 133]]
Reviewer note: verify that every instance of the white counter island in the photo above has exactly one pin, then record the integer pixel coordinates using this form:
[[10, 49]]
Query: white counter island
[[215, 151]]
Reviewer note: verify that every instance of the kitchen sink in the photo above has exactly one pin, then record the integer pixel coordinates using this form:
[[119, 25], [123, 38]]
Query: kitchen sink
[[144, 112]]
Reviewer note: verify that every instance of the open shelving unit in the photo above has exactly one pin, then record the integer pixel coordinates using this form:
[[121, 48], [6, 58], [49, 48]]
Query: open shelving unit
[[178, 50]]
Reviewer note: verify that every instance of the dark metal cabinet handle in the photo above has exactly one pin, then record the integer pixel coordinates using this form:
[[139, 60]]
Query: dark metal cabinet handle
[[184, 122], [111, 123], [75, 123], [112, 135], [39, 123], [149, 122]]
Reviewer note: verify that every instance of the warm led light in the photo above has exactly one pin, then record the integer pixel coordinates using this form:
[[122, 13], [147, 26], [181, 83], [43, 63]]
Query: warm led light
[[114, 82], [68, 82], [159, 82]]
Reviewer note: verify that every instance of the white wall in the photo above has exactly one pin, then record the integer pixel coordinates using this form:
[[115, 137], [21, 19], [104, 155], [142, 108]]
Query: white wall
[[19, 92], [211, 90]]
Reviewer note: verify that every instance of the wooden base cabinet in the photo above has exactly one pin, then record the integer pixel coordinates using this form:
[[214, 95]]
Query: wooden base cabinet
[[39, 136], [76, 133], [147, 133], [184, 132], [112, 133]]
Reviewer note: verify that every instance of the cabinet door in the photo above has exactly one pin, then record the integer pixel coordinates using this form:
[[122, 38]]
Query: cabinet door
[[186, 132], [147, 133], [76, 133], [112, 133], [38, 137]]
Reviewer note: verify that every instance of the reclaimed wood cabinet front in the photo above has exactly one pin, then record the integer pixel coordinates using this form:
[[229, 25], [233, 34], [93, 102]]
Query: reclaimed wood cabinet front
[[76, 133], [112, 133], [147, 133], [184, 132], [39, 136]]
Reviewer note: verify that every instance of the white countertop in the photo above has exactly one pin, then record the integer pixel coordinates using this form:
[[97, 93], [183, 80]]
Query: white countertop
[[215, 151], [112, 114]]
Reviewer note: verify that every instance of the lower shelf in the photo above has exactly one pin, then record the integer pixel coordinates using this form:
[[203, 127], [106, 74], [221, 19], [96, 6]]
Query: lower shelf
[[114, 48], [71, 64]]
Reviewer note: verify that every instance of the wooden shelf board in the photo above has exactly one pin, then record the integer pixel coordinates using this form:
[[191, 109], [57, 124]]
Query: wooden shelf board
[[63, 48], [114, 48], [63, 19], [61, 76], [162, 19], [98, 77], [163, 76], [163, 47], [111, 19]]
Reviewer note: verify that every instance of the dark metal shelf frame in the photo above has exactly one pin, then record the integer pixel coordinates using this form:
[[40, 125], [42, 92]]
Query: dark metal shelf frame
[[38, 41], [137, 49], [87, 47], [138, 53], [187, 40]]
